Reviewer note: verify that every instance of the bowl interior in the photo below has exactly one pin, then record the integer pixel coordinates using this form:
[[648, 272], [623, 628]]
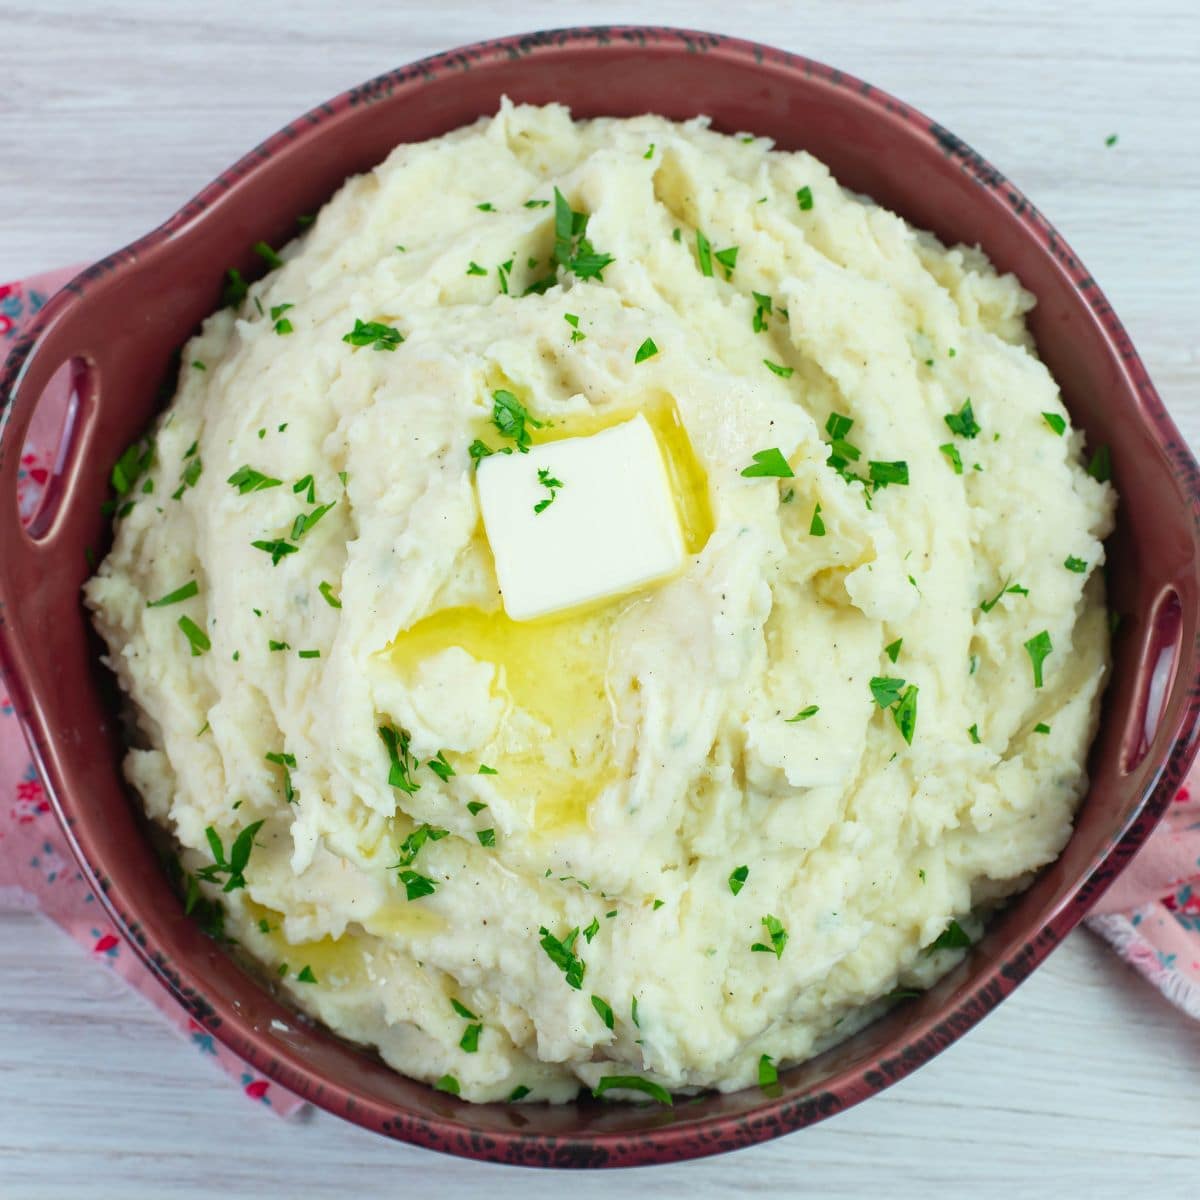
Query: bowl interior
[[873, 144]]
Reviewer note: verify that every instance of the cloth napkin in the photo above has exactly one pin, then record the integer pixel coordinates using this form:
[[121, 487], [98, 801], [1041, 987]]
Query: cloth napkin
[[1150, 916]]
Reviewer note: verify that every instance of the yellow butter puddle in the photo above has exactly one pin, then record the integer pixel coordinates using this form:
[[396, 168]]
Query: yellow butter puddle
[[555, 668]]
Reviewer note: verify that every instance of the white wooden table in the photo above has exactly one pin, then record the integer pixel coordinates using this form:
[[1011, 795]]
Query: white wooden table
[[1086, 1081]]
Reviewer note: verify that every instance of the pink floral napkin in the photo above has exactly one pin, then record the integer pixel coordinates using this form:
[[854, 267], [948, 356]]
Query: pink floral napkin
[[36, 868], [1151, 915]]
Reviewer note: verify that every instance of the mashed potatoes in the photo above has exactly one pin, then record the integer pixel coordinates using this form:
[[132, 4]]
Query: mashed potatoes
[[716, 819]]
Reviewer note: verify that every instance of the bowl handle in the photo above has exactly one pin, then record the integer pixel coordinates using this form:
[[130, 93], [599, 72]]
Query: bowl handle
[[58, 337]]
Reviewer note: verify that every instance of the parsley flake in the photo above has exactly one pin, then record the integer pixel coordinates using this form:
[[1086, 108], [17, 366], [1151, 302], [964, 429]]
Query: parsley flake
[[816, 526], [905, 713], [562, 955], [1055, 422], [973, 734], [893, 651], [247, 479], [963, 422], [306, 975], [768, 1076], [728, 259], [762, 310], [440, 767], [537, 203], [511, 417], [276, 548], [776, 369], [486, 206], [777, 934], [953, 937], [268, 255], [305, 521], [402, 763], [1041, 727], [950, 450], [326, 590], [551, 484], [234, 290], [449, 1085], [197, 638], [604, 1009], [1075, 564], [768, 463], [886, 691], [633, 1083], [737, 879], [591, 931], [649, 154], [1100, 468], [470, 1038], [646, 350], [476, 269], [416, 885], [286, 761], [572, 250], [804, 198], [884, 473], [189, 589], [804, 714], [239, 857], [520, 1091], [1038, 648], [373, 333], [703, 253], [463, 1011], [576, 334]]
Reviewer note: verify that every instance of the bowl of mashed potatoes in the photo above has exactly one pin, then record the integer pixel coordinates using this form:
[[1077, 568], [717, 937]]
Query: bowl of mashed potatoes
[[635, 621]]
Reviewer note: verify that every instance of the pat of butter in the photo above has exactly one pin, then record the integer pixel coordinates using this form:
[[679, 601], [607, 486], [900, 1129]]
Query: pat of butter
[[610, 526]]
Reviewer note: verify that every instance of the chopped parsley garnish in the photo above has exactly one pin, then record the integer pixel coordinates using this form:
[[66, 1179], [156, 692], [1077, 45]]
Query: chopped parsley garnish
[[286, 761], [305, 521], [1015, 589], [776, 369], [235, 289], [905, 713], [282, 324], [576, 334], [591, 930], [804, 714], [762, 310], [1055, 422], [572, 250], [728, 259], [646, 350], [768, 1076], [1111, 140], [963, 422], [189, 589], [479, 450], [537, 203], [440, 767], [1038, 648], [463, 1011], [326, 590], [777, 934], [129, 468], [893, 651], [1041, 727], [511, 417], [469, 1042], [950, 450], [416, 885], [476, 269], [486, 206], [816, 527], [373, 333], [676, 234], [487, 837], [307, 484], [633, 1013], [649, 154], [703, 253], [187, 479], [197, 638], [247, 479], [953, 937], [475, 807], [789, 496], [268, 255], [737, 879], [804, 198], [198, 365], [551, 484], [274, 645], [657, 905], [886, 691], [239, 856], [306, 975], [973, 734], [768, 463], [484, 769], [841, 452], [520, 1091], [309, 653], [503, 271], [1100, 468], [1075, 564], [633, 1083], [604, 1009], [884, 473], [448, 1084], [562, 955], [276, 548], [403, 763]]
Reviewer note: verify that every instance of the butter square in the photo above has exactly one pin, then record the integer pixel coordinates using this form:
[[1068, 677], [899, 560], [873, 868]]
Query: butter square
[[612, 526]]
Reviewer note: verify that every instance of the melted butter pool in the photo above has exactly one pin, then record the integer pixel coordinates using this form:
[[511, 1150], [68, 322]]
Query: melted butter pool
[[554, 668]]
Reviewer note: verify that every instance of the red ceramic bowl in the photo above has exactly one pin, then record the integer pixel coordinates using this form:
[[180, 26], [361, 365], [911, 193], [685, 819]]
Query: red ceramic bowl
[[121, 322]]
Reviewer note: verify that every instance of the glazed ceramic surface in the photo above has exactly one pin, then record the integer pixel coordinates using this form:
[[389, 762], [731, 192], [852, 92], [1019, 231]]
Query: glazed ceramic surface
[[122, 321]]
